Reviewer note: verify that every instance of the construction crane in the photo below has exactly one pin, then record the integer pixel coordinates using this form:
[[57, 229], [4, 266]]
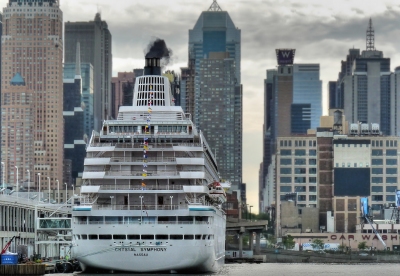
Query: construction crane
[[8, 244], [368, 218]]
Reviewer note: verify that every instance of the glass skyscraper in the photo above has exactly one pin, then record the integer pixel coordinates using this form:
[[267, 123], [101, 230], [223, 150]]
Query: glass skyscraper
[[215, 99], [307, 97]]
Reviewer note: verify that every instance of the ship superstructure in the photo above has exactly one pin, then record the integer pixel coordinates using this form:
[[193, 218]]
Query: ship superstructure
[[146, 201]]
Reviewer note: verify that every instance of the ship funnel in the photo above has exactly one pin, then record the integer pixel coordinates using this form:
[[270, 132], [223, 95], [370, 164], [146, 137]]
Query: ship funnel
[[152, 66]]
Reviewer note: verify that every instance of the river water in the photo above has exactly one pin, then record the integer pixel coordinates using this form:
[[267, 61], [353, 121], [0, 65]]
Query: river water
[[284, 269]]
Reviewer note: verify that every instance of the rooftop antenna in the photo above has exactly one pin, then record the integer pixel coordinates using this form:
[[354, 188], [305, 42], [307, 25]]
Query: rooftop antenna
[[370, 37], [214, 6]]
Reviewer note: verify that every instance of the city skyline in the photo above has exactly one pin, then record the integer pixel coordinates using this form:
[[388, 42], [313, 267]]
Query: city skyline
[[320, 33]]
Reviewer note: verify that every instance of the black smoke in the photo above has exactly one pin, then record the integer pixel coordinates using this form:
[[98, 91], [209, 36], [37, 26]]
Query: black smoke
[[158, 49]]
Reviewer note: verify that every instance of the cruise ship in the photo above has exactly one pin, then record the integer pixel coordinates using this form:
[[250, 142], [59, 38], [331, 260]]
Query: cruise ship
[[151, 198]]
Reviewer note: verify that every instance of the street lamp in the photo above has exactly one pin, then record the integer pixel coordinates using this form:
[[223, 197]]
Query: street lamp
[[2, 171], [141, 209], [171, 200], [16, 184], [250, 212], [48, 178], [58, 191], [29, 180], [66, 191], [247, 211], [39, 185]]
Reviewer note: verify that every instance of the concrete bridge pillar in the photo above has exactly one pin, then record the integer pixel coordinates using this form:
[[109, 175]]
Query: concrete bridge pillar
[[251, 240], [258, 244], [240, 245]]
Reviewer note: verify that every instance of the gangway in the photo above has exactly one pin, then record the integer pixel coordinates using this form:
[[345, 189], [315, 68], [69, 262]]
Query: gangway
[[376, 232]]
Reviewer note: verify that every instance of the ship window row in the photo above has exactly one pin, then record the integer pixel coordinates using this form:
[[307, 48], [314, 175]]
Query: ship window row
[[126, 129], [143, 237], [142, 220]]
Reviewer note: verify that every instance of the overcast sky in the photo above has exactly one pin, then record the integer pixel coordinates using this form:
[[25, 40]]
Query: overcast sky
[[321, 31]]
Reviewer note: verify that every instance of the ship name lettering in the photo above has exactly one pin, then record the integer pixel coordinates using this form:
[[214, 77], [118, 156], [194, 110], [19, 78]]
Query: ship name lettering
[[125, 249], [153, 249], [141, 254]]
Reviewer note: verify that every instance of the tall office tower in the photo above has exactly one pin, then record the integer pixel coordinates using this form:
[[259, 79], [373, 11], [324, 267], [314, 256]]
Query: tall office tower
[[187, 87], [345, 70], [121, 89], [268, 92], [306, 108], [74, 144], [95, 42], [86, 96], [214, 49], [32, 46], [220, 119], [18, 120], [214, 31], [367, 91], [332, 95]]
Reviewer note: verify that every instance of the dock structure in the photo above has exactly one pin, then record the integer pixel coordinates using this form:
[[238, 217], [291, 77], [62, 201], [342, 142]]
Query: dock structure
[[23, 269], [246, 226], [40, 226]]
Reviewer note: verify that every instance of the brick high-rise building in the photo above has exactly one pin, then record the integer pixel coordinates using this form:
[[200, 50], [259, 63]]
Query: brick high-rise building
[[32, 46], [121, 91]]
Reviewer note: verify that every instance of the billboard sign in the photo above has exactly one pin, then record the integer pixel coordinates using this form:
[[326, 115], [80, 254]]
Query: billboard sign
[[285, 56], [364, 206], [398, 198]]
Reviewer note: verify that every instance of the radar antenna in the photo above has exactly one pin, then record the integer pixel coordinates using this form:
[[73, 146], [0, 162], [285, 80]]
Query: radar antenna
[[370, 37], [214, 6]]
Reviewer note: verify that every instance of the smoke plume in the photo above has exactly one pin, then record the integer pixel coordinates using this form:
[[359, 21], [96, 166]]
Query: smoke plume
[[158, 49]]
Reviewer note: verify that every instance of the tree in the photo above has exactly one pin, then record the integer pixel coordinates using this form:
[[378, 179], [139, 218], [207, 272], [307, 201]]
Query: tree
[[271, 240], [288, 242], [318, 244], [341, 248], [362, 245]]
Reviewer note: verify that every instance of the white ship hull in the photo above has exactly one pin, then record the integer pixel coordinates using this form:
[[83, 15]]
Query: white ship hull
[[196, 256]]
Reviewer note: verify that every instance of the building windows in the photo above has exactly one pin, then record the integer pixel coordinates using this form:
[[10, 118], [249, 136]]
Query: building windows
[[391, 180], [286, 170], [391, 198], [312, 180], [391, 152], [300, 189], [391, 170], [312, 198], [286, 189], [300, 171], [313, 152], [300, 161], [377, 170], [301, 198], [377, 180], [300, 152], [285, 180], [377, 162], [313, 170], [285, 161], [286, 152], [377, 189], [391, 189], [377, 198], [312, 161], [299, 179], [391, 162], [312, 189]]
